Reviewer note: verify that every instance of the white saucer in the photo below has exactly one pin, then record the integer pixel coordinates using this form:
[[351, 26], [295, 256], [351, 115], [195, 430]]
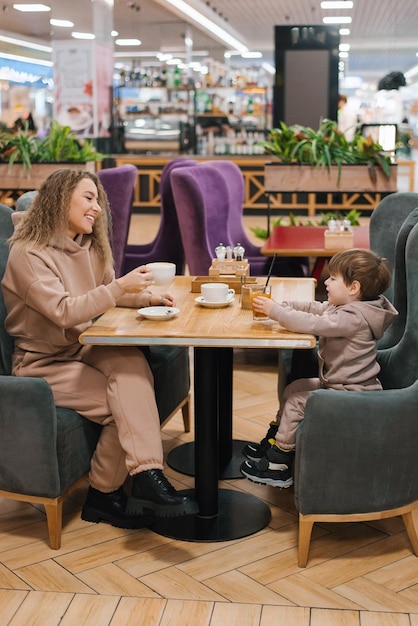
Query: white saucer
[[215, 305], [158, 312]]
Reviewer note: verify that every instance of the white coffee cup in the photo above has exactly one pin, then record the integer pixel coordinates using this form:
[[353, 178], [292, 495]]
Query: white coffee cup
[[216, 292], [162, 273]]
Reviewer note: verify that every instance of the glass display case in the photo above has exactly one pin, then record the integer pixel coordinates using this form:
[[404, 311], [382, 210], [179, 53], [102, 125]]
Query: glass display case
[[155, 119]]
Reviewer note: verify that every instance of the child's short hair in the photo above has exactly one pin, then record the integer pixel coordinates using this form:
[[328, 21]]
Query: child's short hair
[[368, 268]]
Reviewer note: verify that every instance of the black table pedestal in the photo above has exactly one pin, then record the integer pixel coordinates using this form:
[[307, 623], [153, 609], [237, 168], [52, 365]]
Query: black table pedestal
[[182, 458], [239, 515], [223, 514]]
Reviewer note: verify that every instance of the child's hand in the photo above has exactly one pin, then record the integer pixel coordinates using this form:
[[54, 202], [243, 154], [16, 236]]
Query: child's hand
[[263, 305]]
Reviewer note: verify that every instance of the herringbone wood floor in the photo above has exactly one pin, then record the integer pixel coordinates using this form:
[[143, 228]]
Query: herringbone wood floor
[[357, 574]]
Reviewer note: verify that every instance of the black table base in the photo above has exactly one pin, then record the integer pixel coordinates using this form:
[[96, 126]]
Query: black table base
[[182, 459], [239, 515]]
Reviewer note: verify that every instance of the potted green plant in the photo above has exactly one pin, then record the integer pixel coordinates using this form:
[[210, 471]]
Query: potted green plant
[[26, 159], [326, 161], [291, 220]]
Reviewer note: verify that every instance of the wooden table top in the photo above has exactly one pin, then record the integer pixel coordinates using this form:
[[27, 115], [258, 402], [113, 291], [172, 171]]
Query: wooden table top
[[307, 241], [230, 326]]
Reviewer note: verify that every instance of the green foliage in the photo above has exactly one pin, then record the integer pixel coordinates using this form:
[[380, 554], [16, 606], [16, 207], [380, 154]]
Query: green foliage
[[59, 145], [353, 215], [325, 147]]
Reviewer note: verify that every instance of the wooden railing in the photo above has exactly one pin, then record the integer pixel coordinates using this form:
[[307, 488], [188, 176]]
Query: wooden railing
[[147, 196]]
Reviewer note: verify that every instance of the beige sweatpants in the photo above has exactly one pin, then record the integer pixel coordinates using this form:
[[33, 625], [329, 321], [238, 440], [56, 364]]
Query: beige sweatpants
[[292, 410], [112, 386]]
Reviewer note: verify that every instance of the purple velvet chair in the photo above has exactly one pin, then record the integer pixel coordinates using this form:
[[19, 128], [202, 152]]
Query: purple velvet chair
[[236, 192], [202, 204], [260, 264], [167, 245], [119, 184], [222, 194]]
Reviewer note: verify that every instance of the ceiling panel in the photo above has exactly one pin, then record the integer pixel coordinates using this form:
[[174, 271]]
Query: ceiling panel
[[384, 33]]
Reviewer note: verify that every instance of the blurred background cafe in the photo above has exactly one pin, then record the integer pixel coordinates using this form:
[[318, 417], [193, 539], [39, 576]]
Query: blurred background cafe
[[149, 81]]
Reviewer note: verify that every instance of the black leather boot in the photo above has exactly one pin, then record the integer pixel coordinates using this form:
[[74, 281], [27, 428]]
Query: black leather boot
[[151, 491], [111, 508]]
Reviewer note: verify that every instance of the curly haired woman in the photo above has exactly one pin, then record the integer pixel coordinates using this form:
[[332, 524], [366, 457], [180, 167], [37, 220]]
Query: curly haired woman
[[59, 277]]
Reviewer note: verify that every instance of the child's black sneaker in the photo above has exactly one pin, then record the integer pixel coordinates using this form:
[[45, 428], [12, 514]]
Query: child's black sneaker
[[256, 451], [274, 469]]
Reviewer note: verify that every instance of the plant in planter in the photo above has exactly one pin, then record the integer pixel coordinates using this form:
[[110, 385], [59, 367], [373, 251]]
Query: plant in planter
[[353, 216], [60, 145], [325, 148]]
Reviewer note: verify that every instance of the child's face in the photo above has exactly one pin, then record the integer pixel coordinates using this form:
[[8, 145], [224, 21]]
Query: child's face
[[338, 292]]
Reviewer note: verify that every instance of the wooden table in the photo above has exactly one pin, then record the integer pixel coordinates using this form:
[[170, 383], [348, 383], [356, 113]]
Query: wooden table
[[308, 241], [213, 333]]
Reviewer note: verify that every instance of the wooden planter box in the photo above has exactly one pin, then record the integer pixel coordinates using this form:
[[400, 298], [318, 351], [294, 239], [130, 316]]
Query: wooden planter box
[[15, 177], [282, 177]]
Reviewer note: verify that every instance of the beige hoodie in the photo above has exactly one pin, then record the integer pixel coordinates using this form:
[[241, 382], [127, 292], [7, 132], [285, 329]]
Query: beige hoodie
[[348, 337], [52, 295]]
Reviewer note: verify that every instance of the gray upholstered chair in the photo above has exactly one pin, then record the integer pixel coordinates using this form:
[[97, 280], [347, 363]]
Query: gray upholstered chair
[[356, 451], [45, 450], [390, 225], [385, 222]]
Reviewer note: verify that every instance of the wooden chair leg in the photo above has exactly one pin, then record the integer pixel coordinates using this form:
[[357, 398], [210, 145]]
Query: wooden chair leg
[[185, 411], [54, 520], [305, 531], [411, 529]]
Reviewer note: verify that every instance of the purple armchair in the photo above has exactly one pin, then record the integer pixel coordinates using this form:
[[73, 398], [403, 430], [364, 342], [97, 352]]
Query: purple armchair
[[235, 190], [225, 180], [119, 184], [167, 245], [202, 204]]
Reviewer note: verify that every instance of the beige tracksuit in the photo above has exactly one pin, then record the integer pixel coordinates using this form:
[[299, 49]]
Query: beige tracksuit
[[347, 352], [51, 296]]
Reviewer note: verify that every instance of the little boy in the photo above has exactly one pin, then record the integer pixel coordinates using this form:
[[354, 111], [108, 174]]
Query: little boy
[[348, 325]]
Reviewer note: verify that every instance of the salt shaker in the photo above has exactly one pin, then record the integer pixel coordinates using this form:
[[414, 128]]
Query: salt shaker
[[220, 252]]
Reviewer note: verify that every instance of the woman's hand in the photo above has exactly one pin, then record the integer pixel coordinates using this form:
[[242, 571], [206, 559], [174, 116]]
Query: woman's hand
[[164, 299], [263, 305], [137, 280]]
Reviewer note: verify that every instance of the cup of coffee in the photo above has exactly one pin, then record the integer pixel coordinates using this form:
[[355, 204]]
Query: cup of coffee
[[162, 273], [216, 292], [259, 291]]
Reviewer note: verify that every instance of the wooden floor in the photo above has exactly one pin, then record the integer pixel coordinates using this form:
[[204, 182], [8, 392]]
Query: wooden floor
[[357, 575]]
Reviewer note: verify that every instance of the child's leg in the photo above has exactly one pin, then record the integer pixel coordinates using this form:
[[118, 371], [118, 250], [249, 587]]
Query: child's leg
[[292, 411], [275, 467]]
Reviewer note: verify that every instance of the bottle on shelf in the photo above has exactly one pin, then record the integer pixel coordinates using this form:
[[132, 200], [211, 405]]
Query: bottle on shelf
[[177, 81]]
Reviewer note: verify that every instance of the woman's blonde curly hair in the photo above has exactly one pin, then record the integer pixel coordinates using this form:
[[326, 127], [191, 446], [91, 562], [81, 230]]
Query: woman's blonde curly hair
[[46, 221]]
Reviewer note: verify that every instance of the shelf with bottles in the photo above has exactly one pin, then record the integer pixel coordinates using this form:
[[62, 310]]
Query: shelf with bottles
[[154, 101], [246, 107]]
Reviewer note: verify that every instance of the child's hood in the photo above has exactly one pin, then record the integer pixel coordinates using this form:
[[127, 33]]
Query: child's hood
[[378, 313]]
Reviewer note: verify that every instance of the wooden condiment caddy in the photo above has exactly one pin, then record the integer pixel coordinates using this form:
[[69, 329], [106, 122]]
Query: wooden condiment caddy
[[338, 239], [234, 282], [222, 267]]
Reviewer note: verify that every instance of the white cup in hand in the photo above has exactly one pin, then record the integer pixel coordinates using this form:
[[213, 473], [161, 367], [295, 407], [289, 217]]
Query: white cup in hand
[[162, 273]]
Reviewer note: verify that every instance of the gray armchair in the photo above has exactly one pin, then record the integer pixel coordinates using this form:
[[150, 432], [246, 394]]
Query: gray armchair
[[45, 450], [356, 451]]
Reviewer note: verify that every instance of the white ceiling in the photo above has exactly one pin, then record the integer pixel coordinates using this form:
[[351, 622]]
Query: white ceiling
[[384, 33]]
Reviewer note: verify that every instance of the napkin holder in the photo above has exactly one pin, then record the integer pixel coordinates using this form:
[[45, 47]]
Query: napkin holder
[[338, 239], [227, 267]]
